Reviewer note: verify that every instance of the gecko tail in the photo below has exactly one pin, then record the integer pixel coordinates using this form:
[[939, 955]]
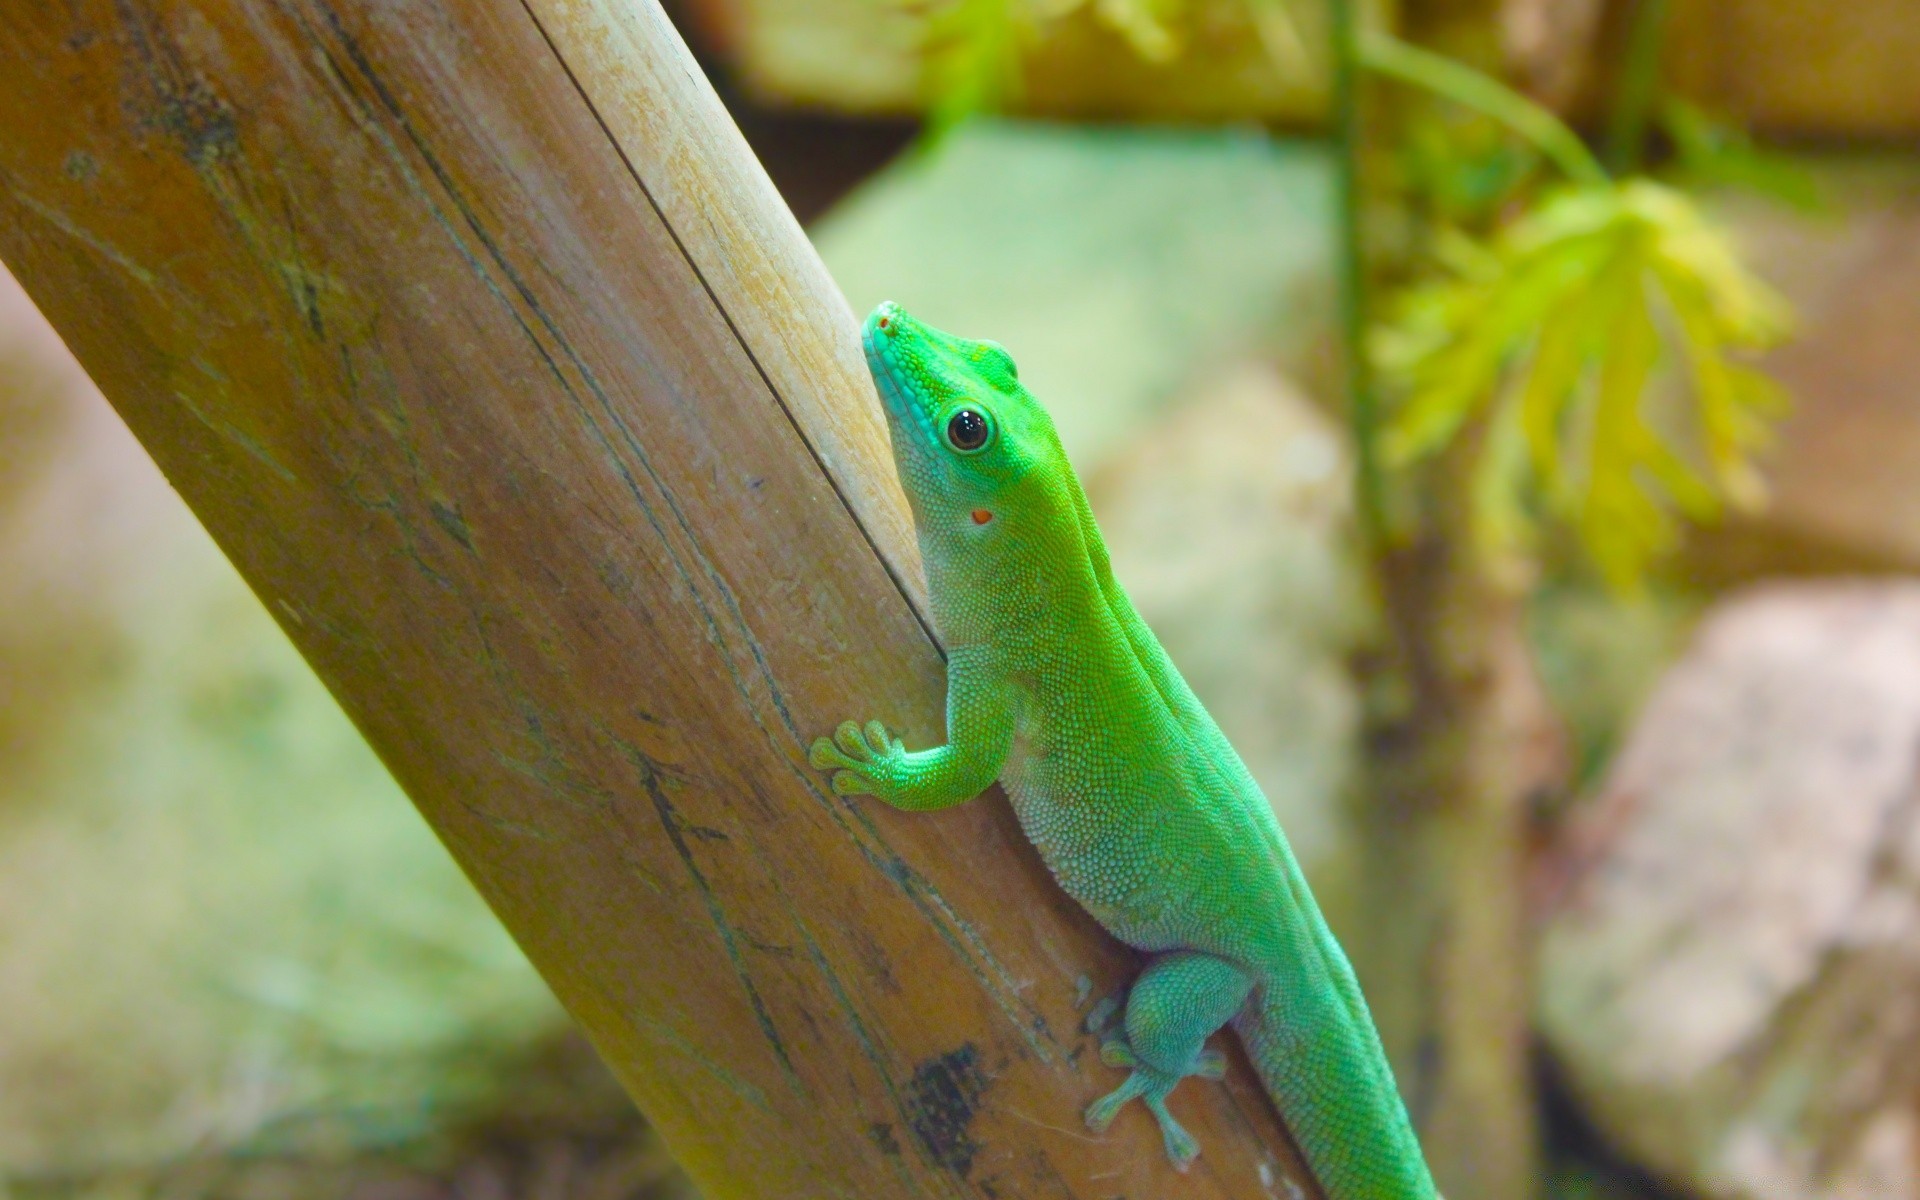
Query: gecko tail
[[1328, 1076]]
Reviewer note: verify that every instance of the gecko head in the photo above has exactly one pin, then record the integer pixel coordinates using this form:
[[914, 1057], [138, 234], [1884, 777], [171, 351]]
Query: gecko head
[[974, 449]]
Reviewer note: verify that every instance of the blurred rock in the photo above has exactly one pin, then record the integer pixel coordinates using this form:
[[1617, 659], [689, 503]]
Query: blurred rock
[[1228, 524], [1731, 982], [224, 927], [1846, 470], [1116, 265]]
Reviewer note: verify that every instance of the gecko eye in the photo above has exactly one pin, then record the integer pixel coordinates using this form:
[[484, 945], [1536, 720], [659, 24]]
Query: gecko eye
[[968, 430]]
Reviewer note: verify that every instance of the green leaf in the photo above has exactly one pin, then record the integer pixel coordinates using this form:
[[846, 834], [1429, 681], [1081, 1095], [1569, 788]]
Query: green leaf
[[1558, 361], [1546, 345], [1717, 153], [1502, 528]]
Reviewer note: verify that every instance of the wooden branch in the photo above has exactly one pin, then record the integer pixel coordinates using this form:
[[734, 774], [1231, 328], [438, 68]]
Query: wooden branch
[[479, 341]]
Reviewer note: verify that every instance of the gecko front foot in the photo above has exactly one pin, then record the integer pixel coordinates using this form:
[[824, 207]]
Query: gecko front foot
[[864, 762]]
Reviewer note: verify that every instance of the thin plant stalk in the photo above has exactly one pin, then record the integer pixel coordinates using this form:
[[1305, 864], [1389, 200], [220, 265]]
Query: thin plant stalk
[[1485, 95], [1362, 407], [1639, 86]]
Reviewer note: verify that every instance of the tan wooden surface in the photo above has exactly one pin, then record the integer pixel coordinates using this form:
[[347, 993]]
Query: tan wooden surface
[[859, 56], [1809, 67], [478, 340]]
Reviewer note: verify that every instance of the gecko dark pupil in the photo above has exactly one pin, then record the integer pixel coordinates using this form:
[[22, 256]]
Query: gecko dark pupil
[[967, 430]]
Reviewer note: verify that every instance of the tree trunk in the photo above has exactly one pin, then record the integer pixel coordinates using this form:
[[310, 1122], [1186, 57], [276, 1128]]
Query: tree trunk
[[478, 340], [1461, 740], [1446, 952]]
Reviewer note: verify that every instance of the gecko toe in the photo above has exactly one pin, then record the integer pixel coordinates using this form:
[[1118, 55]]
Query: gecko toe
[[825, 756], [1116, 1053], [1181, 1148], [850, 783], [1101, 1112], [850, 741]]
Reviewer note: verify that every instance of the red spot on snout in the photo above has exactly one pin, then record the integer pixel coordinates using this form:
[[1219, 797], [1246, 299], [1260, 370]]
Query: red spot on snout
[[981, 516], [885, 321]]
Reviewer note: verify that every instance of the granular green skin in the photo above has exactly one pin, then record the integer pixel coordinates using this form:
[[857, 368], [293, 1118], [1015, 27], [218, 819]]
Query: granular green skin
[[1134, 798]]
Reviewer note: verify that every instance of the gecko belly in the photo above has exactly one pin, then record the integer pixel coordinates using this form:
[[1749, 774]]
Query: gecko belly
[[1106, 863]]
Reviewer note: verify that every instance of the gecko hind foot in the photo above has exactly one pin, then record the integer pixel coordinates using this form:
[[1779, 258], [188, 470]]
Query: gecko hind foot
[[1152, 1086], [1174, 1006]]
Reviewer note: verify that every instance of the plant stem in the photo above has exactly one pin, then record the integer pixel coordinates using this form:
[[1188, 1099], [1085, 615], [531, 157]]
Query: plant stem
[[1485, 95], [1362, 409], [1639, 85]]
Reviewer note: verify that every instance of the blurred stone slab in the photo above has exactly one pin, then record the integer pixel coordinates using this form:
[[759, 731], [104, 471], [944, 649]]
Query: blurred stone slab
[[857, 56], [221, 924], [1114, 264], [1731, 981]]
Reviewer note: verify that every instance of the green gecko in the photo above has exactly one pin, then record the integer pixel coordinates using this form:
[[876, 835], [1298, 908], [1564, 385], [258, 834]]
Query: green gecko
[[1132, 795]]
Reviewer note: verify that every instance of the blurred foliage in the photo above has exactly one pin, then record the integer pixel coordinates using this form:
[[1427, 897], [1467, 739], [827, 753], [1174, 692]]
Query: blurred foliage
[[1541, 351], [1543, 319], [1458, 174], [973, 50], [1549, 337], [1709, 152]]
